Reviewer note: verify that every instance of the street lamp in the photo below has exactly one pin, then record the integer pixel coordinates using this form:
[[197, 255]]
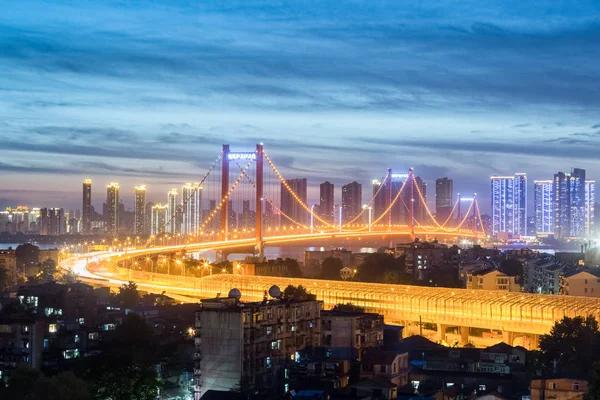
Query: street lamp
[[180, 263]]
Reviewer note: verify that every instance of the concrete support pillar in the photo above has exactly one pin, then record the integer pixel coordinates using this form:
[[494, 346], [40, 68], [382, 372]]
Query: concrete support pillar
[[508, 337], [534, 342], [464, 335], [442, 332]]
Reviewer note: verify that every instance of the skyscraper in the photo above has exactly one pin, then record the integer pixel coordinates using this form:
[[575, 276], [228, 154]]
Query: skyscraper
[[86, 217], [326, 201], [159, 218], [290, 206], [351, 201], [590, 208], [569, 198], [444, 196], [509, 204], [543, 207], [140, 210], [191, 208], [172, 213], [520, 204], [419, 211], [52, 221], [112, 209]]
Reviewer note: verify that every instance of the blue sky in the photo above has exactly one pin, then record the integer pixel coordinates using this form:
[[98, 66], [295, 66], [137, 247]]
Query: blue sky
[[147, 91]]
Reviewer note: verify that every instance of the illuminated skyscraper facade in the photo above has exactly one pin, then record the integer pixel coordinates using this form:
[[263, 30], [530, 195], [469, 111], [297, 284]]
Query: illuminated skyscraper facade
[[86, 215], [444, 199], [52, 221], [590, 208], [569, 197], [543, 207], [326, 201], [290, 206], [159, 218], [139, 224], [172, 212], [351, 201], [191, 208], [112, 209], [509, 204]]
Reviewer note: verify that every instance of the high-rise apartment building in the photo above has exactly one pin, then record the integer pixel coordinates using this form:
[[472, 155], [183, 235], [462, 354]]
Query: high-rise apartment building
[[111, 219], [351, 201], [444, 199], [326, 201], [86, 216], [52, 221], [289, 205], [191, 206], [172, 214], [139, 224], [590, 208], [543, 207], [509, 204], [159, 218], [569, 198]]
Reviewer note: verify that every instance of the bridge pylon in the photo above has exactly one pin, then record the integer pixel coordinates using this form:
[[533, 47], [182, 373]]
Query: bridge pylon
[[259, 200], [411, 209]]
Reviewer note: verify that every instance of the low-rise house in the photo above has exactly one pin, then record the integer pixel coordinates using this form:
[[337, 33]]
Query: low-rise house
[[558, 389]]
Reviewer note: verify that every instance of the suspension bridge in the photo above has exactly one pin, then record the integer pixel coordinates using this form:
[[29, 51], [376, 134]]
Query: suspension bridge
[[282, 215]]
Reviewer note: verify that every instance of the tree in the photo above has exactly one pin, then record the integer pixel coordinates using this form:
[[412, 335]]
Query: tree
[[128, 294], [330, 268], [127, 367], [374, 266], [5, 280], [293, 267], [593, 392], [348, 307], [47, 269], [68, 276], [27, 256], [512, 267], [573, 345], [30, 384], [297, 293]]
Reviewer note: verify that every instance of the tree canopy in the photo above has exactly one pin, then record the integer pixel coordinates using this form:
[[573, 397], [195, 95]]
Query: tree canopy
[[30, 384], [573, 345], [375, 265], [128, 294], [27, 255], [48, 269], [330, 268], [348, 307], [297, 293]]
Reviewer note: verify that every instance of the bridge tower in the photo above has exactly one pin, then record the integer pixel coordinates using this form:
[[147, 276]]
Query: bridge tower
[[475, 220], [411, 208], [224, 190], [459, 217], [388, 197], [259, 200]]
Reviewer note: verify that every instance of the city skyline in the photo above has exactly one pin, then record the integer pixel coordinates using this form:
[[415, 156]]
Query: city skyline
[[379, 88]]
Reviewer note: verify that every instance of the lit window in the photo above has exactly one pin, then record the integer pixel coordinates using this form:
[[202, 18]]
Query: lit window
[[268, 362], [286, 387], [46, 343], [76, 339], [415, 384], [293, 328], [552, 385], [81, 321], [52, 328], [24, 328], [482, 387], [93, 336]]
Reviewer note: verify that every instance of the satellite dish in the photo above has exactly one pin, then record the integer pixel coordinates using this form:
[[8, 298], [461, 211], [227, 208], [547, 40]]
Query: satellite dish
[[275, 292], [235, 294]]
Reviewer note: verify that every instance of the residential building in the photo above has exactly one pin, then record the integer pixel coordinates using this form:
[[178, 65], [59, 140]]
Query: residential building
[[86, 215], [289, 202], [491, 279], [326, 201], [542, 274], [569, 194], [558, 389], [385, 364], [544, 207], [509, 204], [255, 342], [345, 335], [52, 221], [191, 208], [172, 226], [581, 283], [351, 201], [139, 224], [420, 256], [112, 209], [590, 208], [444, 199], [160, 214]]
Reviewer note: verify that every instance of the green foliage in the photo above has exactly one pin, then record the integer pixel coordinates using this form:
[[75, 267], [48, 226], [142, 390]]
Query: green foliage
[[297, 293], [574, 344], [512, 267], [374, 268], [593, 392], [27, 255], [30, 384], [292, 266], [5, 280], [128, 382], [348, 307], [67, 277], [330, 268], [47, 270], [128, 294]]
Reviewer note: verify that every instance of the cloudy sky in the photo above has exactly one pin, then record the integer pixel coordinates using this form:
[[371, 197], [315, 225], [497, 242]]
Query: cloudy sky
[[147, 91]]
